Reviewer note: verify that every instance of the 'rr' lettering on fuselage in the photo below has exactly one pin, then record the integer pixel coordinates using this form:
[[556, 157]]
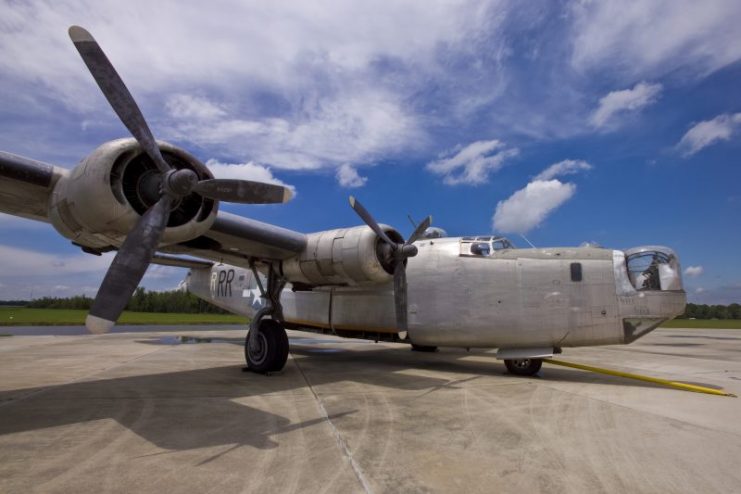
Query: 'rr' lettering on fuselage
[[221, 283]]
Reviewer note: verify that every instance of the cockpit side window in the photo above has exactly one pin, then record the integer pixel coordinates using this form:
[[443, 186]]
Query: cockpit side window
[[575, 268], [481, 249], [483, 246]]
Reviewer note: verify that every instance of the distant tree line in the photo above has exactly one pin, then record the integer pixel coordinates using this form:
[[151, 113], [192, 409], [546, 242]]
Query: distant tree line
[[704, 311], [142, 301], [181, 301], [76, 302]]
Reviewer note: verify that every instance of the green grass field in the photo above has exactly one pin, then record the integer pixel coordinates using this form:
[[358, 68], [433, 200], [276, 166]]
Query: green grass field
[[19, 316], [703, 323]]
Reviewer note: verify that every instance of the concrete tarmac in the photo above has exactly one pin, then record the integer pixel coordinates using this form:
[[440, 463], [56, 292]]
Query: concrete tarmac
[[153, 412]]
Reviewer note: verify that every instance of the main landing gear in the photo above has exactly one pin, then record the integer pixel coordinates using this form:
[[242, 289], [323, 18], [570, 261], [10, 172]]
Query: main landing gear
[[266, 345], [270, 352], [524, 366]]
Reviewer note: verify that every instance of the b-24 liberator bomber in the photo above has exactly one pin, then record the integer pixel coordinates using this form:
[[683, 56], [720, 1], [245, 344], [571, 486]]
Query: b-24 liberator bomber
[[153, 202]]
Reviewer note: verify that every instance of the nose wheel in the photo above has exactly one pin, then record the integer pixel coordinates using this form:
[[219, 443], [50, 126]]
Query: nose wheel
[[524, 366]]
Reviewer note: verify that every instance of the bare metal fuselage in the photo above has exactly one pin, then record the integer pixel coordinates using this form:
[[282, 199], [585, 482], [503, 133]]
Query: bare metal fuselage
[[513, 298]]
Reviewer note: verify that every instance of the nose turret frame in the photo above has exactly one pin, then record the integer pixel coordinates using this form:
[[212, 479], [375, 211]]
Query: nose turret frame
[[649, 287]]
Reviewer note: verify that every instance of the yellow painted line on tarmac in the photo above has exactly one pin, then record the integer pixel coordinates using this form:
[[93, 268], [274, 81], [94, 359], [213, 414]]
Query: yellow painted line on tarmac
[[664, 382]]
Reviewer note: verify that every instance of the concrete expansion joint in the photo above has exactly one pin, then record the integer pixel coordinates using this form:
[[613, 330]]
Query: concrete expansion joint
[[338, 437]]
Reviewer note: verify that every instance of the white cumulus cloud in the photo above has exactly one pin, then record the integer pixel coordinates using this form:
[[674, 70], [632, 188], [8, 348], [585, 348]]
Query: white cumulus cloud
[[31, 262], [472, 164], [626, 100], [291, 84], [708, 132], [565, 167], [653, 38], [693, 271], [528, 207], [348, 177], [33, 274], [188, 106], [245, 171], [356, 125]]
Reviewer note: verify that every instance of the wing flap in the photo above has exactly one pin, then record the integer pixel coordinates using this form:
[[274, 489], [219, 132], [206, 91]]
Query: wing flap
[[180, 262]]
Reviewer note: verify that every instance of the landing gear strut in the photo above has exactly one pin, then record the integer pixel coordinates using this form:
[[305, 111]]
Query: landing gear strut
[[266, 344], [524, 366]]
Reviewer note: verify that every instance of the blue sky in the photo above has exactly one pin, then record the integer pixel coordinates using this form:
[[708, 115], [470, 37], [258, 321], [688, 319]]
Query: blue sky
[[614, 122]]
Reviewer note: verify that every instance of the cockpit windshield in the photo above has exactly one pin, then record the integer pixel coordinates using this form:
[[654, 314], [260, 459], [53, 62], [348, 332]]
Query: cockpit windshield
[[484, 246]]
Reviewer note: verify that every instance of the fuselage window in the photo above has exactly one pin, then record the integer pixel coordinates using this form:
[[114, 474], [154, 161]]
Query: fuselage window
[[575, 271]]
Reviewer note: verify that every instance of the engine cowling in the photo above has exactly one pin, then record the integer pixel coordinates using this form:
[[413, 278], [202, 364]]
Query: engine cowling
[[101, 200], [345, 256]]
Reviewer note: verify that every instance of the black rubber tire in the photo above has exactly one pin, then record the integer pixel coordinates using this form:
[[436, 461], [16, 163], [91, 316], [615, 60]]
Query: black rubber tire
[[423, 348], [272, 351], [524, 367]]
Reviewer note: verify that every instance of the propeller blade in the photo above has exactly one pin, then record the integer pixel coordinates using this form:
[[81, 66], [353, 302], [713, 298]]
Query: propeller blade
[[400, 253], [424, 225], [368, 219], [128, 267], [400, 295], [243, 191], [116, 93]]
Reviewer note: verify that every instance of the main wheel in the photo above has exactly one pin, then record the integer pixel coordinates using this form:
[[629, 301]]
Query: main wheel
[[271, 350], [524, 367]]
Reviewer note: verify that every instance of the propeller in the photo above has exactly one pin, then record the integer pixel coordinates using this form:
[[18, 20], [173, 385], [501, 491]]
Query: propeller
[[135, 254], [399, 252]]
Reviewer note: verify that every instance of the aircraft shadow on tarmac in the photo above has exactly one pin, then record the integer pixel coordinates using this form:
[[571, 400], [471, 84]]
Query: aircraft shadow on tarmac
[[189, 409]]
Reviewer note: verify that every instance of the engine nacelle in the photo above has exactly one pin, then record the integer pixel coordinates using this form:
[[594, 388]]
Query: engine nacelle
[[346, 256], [101, 200]]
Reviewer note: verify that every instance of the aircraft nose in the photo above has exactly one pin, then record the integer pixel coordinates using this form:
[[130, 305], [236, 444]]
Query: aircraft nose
[[652, 292]]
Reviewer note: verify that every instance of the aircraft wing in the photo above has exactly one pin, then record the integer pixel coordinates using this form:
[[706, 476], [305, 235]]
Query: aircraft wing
[[235, 240], [26, 188]]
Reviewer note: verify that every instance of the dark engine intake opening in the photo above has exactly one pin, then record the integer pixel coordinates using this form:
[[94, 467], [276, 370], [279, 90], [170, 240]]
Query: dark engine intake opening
[[385, 253], [135, 179]]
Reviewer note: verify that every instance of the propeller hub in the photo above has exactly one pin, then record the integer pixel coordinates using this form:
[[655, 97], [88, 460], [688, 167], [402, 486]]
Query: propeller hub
[[180, 183], [408, 250]]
